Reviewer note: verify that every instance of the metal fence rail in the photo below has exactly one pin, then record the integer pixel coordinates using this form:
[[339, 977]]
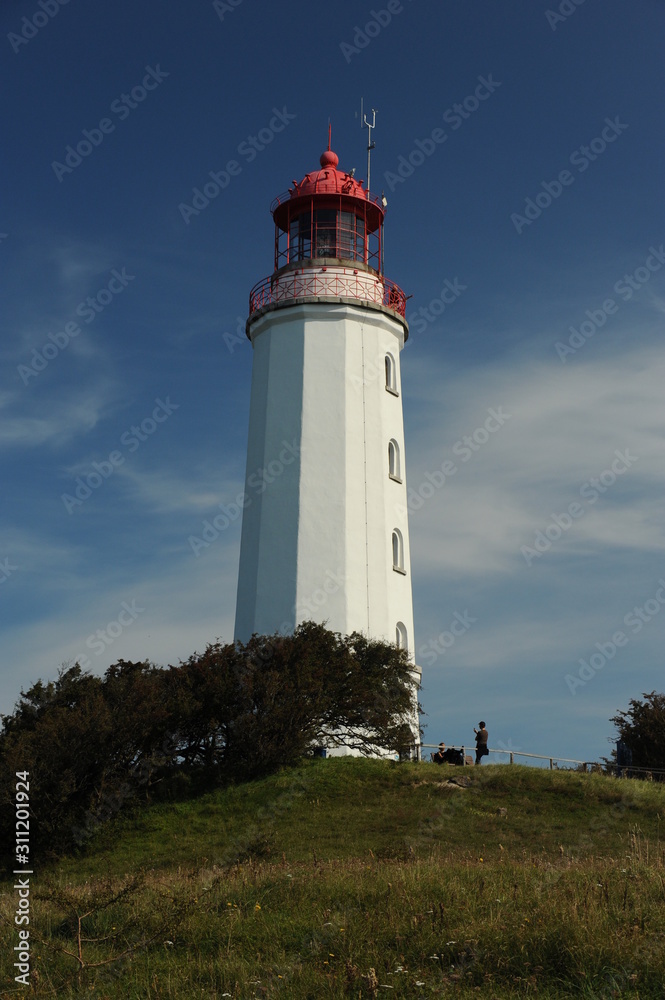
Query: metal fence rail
[[586, 765]]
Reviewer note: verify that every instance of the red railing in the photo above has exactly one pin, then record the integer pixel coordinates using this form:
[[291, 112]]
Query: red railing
[[307, 283], [373, 199]]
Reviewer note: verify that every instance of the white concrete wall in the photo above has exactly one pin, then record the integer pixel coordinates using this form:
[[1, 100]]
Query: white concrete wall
[[317, 542], [269, 544]]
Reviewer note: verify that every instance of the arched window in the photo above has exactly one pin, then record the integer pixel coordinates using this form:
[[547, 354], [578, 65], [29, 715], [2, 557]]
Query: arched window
[[401, 638], [398, 551], [391, 374], [394, 465]]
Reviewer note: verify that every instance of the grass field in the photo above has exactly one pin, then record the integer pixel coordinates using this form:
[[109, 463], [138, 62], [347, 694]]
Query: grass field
[[363, 878]]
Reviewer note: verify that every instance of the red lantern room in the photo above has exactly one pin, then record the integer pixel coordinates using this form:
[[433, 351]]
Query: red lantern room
[[328, 214], [328, 243]]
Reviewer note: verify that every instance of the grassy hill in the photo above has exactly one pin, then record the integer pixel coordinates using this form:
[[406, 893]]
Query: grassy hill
[[363, 878]]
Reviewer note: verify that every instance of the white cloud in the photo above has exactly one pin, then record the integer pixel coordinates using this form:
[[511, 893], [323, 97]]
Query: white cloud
[[52, 422], [566, 427]]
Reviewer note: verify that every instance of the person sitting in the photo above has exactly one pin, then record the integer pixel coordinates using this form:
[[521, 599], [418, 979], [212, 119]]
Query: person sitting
[[447, 756]]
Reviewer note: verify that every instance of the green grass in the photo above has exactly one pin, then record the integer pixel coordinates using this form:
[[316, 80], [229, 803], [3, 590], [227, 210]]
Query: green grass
[[363, 878]]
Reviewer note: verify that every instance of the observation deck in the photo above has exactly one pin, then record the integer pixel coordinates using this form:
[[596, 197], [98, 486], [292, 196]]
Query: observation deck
[[328, 245], [327, 279]]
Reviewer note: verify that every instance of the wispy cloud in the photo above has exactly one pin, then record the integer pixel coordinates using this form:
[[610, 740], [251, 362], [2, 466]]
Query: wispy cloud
[[162, 490], [564, 430], [173, 622], [33, 420]]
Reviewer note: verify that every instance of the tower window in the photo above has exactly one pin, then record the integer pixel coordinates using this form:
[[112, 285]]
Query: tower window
[[391, 374], [398, 551], [401, 638], [394, 465]]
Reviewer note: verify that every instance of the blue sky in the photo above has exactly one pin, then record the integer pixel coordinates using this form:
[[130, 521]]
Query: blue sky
[[532, 219]]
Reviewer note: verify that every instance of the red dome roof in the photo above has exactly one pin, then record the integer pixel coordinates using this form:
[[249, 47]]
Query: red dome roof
[[328, 181]]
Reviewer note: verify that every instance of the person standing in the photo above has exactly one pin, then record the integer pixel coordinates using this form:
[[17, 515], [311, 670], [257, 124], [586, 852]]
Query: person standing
[[481, 742]]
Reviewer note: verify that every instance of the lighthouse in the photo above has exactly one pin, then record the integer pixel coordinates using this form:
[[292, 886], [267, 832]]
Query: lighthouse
[[324, 532]]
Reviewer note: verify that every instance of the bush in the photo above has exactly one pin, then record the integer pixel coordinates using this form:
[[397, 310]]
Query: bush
[[642, 730], [235, 712]]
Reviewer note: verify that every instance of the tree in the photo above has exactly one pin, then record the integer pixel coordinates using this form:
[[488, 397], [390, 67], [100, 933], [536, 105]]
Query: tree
[[642, 729], [235, 712], [245, 710], [58, 733]]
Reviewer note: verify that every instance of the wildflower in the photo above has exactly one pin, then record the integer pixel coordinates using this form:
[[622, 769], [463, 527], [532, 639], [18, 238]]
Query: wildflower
[[257, 906]]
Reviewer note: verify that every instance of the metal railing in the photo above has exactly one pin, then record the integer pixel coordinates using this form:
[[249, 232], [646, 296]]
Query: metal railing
[[585, 765], [333, 282], [292, 194]]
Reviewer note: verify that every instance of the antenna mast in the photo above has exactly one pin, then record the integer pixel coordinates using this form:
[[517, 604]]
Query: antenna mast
[[365, 124]]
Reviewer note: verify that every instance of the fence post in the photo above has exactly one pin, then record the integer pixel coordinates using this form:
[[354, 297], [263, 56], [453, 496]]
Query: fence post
[[551, 763], [512, 758]]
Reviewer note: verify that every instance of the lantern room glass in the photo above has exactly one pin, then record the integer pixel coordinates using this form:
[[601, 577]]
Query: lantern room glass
[[329, 231]]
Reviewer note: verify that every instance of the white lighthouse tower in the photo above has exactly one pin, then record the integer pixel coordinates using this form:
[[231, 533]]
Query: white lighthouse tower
[[324, 533]]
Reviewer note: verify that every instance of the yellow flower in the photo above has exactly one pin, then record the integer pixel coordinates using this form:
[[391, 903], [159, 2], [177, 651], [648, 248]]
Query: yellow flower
[[258, 906]]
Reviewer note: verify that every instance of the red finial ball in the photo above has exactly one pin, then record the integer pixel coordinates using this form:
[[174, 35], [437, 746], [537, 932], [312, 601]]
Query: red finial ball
[[329, 159]]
